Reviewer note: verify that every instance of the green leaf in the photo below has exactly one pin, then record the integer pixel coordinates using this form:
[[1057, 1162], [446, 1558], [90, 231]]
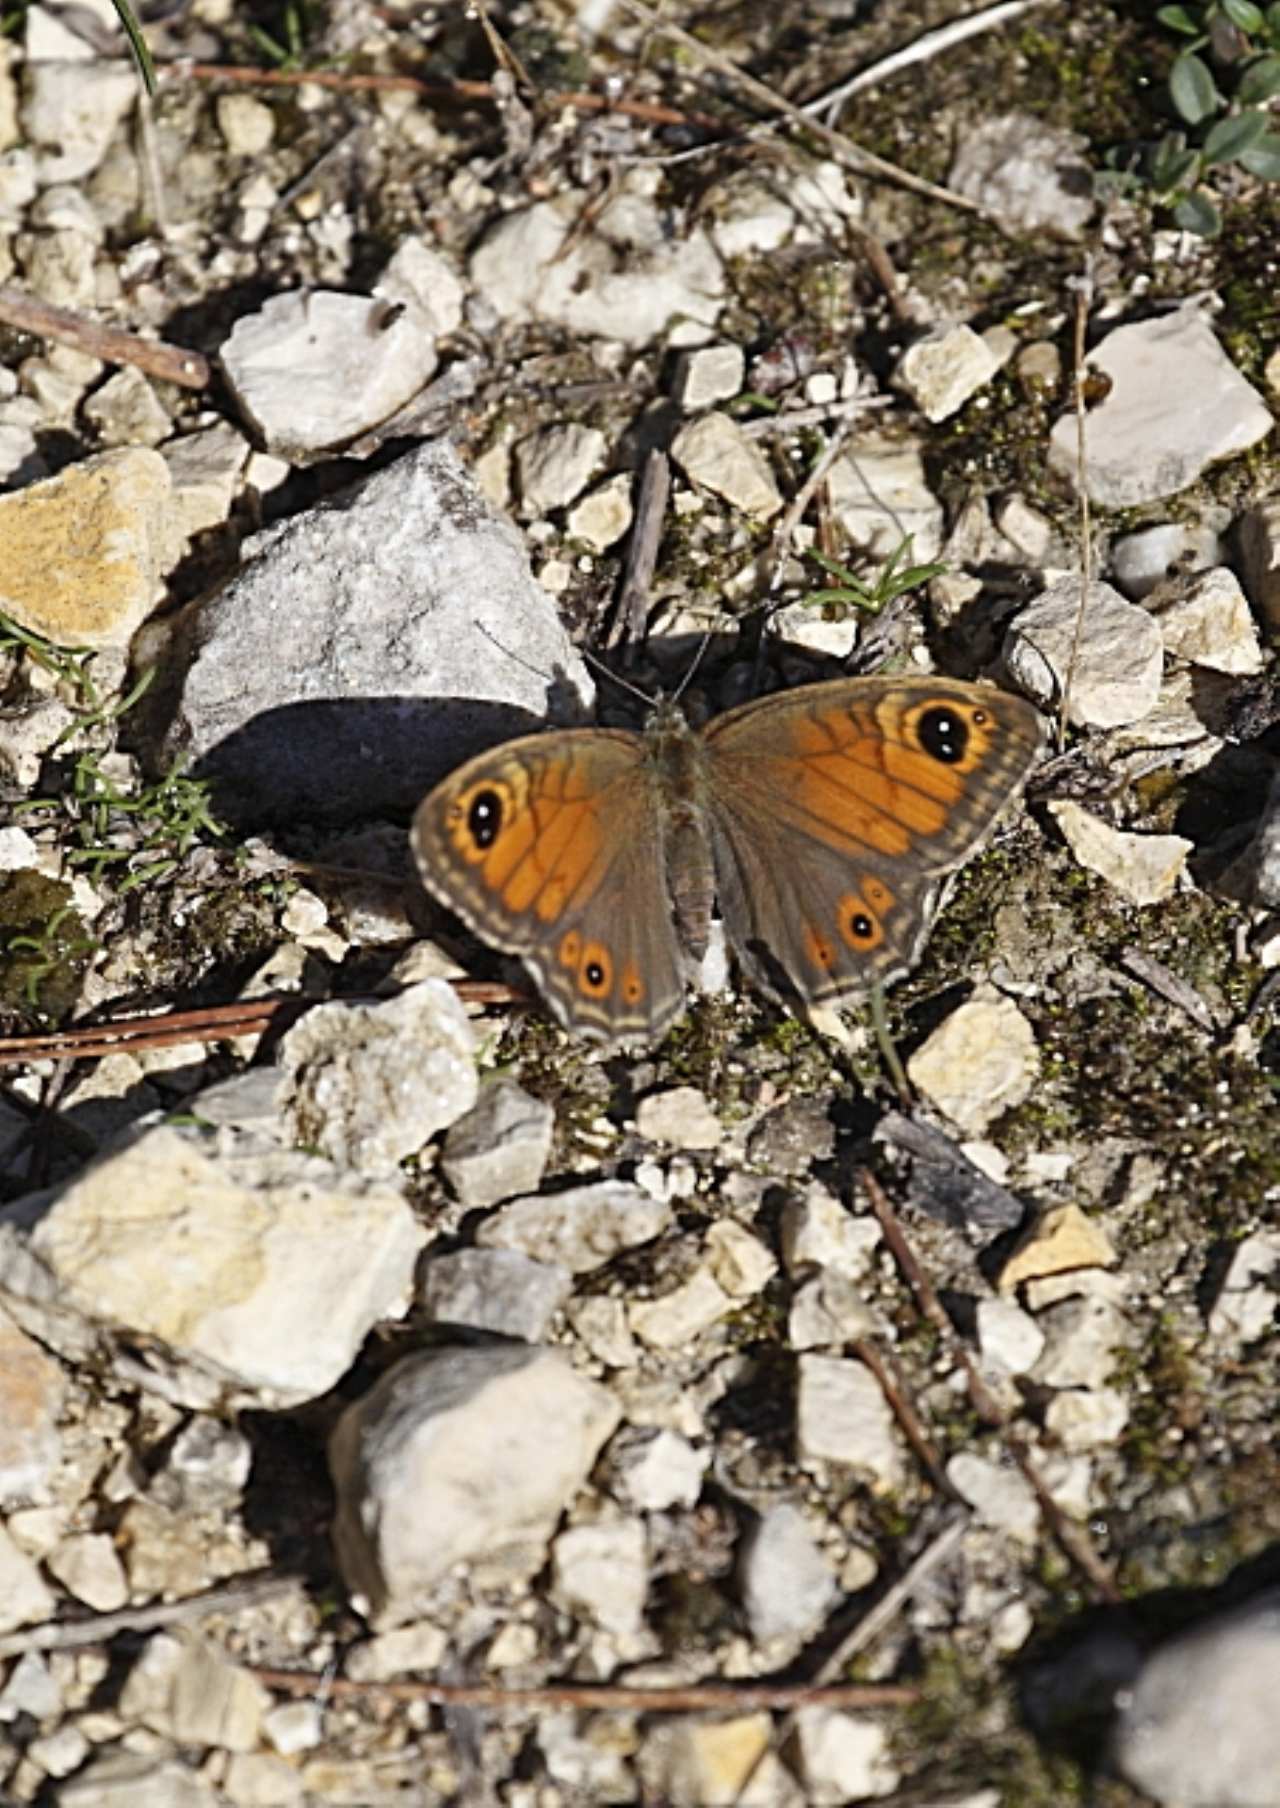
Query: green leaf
[[1231, 137], [1260, 82], [1173, 165], [1263, 158], [1192, 88], [142, 56], [1196, 213], [1244, 14], [1177, 18]]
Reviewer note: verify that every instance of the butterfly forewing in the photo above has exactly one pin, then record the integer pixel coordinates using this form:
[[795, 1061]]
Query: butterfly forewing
[[524, 844], [837, 811]]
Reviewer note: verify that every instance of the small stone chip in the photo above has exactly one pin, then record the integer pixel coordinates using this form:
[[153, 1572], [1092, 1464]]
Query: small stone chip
[[1062, 1239]]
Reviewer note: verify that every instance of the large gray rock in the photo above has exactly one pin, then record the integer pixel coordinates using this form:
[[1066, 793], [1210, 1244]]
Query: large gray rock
[[364, 649]]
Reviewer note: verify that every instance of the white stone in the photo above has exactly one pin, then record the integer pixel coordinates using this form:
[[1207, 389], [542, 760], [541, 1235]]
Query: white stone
[[602, 1572], [1142, 560], [89, 1568], [314, 369], [127, 412], [712, 374], [1245, 1307], [944, 368], [1199, 1726], [604, 514], [1113, 657], [1210, 624], [827, 1312], [186, 1690], [740, 1262], [1259, 536], [691, 1762], [978, 1063], [497, 1290], [417, 273], [555, 465], [820, 1233], [601, 1324], [1081, 1339], [579, 1229], [842, 1417], [681, 1117], [247, 124], [1144, 869], [1009, 1339], [657, 1470], [785, 1580], [1028, 531], [843, 1757], [249, 1272], [999, 1494], [369, 1084], [1139, 449], [674, 1320], [60, 1752], [500, 1147], [624, 278], [205, 469], [294, 1726], [120, 1778], [459, 1455], [30, 1689], [420, 1646], [879, 495], [715, 453], [70, 112], [1033, 176], [1086, 1418]]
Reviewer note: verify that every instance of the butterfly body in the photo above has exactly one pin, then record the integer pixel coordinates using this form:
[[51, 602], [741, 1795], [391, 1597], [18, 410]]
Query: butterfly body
[[822, 820]]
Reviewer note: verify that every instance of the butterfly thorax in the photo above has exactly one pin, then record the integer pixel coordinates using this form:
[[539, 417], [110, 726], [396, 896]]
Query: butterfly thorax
[[674, 751]]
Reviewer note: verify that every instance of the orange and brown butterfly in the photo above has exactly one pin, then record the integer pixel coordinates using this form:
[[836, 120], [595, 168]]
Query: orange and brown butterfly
[[823, 821]]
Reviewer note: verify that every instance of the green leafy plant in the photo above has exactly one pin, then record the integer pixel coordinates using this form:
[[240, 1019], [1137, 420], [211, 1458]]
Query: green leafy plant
[[46, 952], [147, 828], [891, 581], [1221, 86], [295, 26]]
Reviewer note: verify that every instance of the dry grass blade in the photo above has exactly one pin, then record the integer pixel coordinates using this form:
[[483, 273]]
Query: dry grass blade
[[1073, 1538]]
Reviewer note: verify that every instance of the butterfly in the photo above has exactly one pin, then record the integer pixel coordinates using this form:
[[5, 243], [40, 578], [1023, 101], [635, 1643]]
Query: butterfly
[[823, 821]]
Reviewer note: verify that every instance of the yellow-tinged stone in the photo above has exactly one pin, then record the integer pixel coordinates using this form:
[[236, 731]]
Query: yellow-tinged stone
[[1062, 1239], [720, 1756], [81, 553], [1143, 868]]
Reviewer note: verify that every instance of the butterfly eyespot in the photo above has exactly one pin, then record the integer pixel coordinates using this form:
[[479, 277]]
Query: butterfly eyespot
[[571, 949], [878, 895], [859, 924], [819, 950], [595, 975], [484, 817], [943, 733], [632, 986]]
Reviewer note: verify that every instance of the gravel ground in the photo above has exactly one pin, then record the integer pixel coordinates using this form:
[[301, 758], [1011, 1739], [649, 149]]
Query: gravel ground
[[405, 1400]]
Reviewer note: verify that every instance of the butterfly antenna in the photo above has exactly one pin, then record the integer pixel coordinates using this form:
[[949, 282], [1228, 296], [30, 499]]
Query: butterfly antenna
[[617, 678], [694, 663]]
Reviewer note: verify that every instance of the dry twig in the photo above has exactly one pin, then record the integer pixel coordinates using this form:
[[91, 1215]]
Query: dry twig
[[851, 156], [168, 363], [99, 1628], [735, 1698], [1073, 1538]]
